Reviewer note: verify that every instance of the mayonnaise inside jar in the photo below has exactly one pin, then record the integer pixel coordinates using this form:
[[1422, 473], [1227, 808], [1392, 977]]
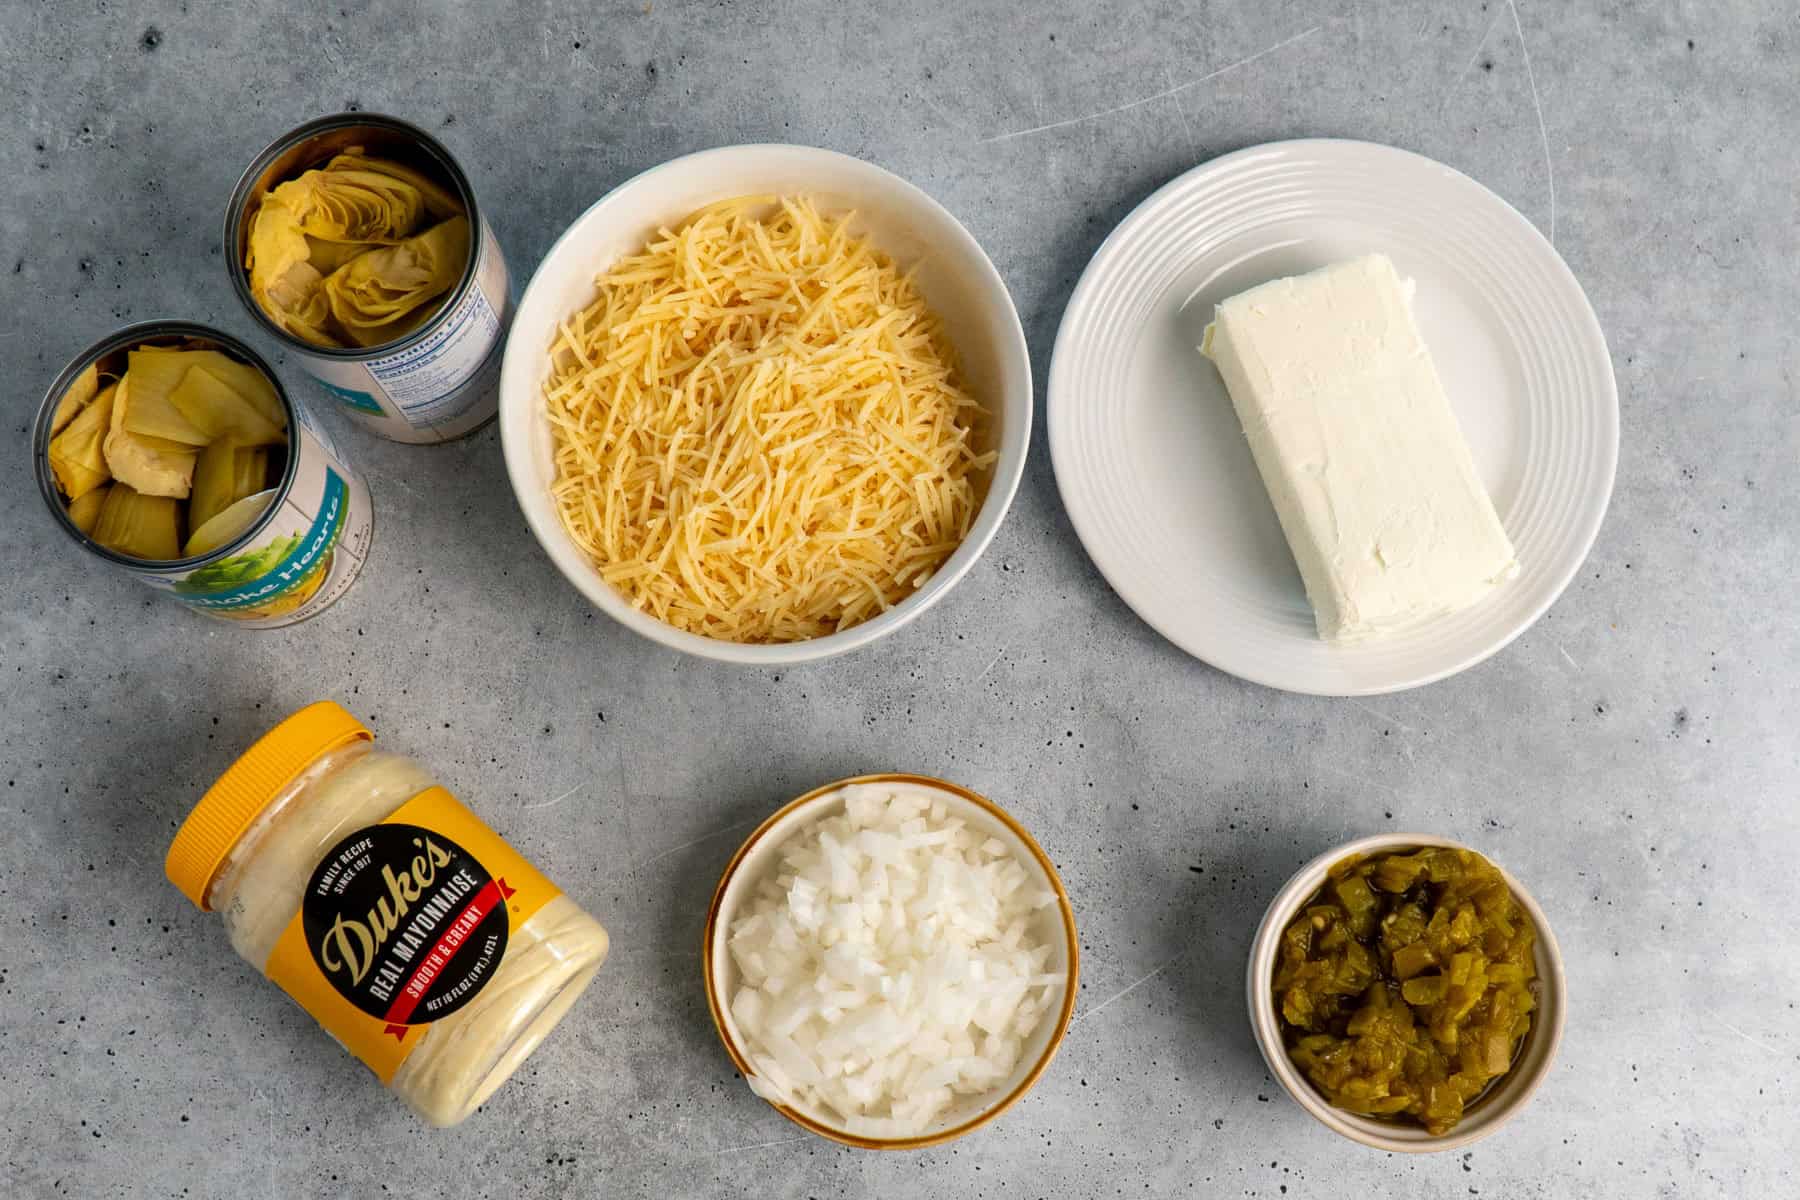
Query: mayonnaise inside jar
[[418, 938]]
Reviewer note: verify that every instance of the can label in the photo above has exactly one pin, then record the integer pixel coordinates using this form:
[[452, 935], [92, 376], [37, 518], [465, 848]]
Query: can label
[[297, 564], [430, 381], [402, 924], [446, 383]]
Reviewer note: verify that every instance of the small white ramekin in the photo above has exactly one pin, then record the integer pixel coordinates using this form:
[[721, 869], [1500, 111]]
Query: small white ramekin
[[1503, 1100]]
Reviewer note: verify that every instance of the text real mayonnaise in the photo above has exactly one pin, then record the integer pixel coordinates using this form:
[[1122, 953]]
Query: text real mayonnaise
[[418, 938]]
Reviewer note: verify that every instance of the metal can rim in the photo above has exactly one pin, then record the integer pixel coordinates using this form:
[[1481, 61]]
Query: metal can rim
[[141, 331], [240, 199]]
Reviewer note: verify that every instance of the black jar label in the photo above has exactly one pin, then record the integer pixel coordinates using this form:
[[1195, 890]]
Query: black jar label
[[405, 924]]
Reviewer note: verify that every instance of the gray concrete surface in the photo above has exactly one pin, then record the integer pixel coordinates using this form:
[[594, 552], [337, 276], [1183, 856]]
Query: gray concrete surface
[[1633, 756]]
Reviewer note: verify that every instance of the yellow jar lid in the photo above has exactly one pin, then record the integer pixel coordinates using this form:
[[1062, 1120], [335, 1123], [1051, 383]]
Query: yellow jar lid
[[248, 786]]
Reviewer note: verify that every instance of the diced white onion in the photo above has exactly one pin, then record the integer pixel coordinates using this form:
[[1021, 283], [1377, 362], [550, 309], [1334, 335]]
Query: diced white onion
[[889, 964]]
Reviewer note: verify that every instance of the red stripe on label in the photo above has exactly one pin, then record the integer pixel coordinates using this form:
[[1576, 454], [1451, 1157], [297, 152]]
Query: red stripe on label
[[453, 939]]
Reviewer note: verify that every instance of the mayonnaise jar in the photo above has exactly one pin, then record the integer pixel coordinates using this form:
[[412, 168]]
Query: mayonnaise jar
[[420, 940]]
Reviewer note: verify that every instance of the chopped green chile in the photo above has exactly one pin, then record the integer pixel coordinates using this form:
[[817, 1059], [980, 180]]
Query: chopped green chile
[[1405, 986]]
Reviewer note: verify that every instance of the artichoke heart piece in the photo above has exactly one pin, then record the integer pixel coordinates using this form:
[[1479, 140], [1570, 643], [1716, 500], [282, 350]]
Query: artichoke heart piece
[[249, 472], [326, 256], [217, 409], [140, 526], [245, 379], [84, 511], [225, 527], [285, 285], [225, 474], [438, 202], [76, 455], [144, 467], [351, 199], [296, 302], [148, 410], [378, 297], [283, 281], [165, 444], [357, 199], [84, 389]]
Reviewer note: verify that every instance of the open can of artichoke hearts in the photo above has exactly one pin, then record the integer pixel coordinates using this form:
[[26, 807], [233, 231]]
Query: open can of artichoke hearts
[[356, 241], [171, 450]]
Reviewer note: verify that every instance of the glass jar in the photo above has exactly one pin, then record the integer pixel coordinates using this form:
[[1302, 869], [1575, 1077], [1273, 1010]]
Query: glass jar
[[411, 931]]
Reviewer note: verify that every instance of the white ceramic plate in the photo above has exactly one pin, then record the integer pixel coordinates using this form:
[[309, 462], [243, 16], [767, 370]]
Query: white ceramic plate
[[1151, 460]]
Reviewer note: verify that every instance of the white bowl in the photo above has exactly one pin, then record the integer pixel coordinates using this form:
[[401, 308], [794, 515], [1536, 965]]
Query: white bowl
[[1055, 924], [1504, 1099], [958, 281]]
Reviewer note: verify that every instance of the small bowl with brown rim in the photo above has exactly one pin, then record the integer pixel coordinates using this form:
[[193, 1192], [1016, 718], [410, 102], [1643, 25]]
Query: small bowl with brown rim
[[1504, 1099], [759, 855]]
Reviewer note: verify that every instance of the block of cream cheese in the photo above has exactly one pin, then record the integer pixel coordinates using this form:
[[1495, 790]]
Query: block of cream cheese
[[1355, 440]]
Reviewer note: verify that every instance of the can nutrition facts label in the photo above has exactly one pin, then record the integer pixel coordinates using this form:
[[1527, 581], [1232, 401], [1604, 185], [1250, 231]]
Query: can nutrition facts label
[[427, 379]]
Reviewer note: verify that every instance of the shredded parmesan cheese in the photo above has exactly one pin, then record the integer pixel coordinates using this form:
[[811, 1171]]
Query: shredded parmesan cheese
[[759, 432]]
